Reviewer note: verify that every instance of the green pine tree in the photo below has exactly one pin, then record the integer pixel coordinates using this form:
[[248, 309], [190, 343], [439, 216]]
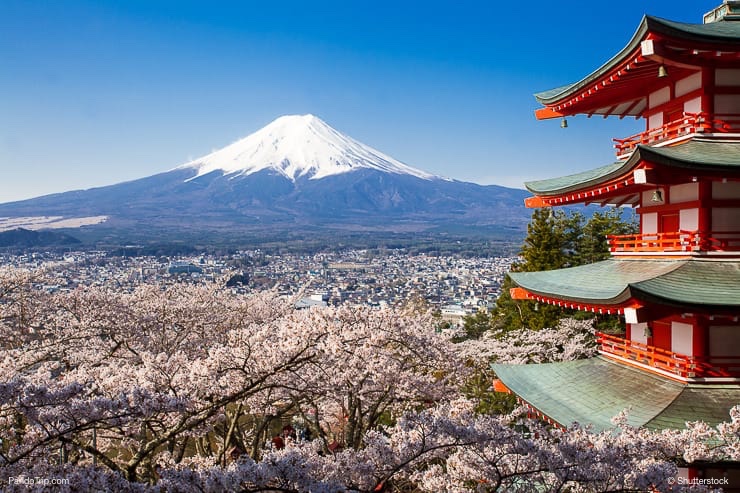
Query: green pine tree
[[556, 240]]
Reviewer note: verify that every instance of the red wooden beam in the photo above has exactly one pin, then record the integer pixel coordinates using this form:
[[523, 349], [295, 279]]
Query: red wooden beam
[[535, 202], [548, 113]]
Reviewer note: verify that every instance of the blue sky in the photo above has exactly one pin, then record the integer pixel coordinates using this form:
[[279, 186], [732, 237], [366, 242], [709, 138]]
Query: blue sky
[[97, 92]]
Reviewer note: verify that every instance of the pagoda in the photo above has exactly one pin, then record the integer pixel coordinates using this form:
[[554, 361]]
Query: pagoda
[[676, 283]]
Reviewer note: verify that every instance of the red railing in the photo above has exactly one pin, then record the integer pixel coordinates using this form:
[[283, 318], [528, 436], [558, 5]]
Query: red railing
[[728, 241], [678, 241], [689, 123], [676, 363]]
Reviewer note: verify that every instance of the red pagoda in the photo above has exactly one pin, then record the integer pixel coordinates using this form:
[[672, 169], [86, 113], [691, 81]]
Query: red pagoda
[[677, 282]]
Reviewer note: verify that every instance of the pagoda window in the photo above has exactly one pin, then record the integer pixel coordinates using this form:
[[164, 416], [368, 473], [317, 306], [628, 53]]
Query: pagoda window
[[649, 223], [727, 104], [688, 84], [689, 219], [692, 105], [661, 96], [639, 332], [685, 192], [727, 191], [655, 120], [724, 344], [727, 77], [656, 99], [725, 219], [682, 338]]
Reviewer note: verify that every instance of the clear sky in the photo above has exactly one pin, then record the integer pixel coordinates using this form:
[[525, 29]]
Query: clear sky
[[102, 91]]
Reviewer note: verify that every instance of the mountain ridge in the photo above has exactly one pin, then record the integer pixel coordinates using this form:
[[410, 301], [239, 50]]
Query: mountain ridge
[[314, 180]]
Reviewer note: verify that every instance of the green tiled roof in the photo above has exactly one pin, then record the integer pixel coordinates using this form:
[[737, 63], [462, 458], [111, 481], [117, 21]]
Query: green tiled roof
[[593, 391], [694, 282], [724, 32], [544, 95], [561, 184], [698, 402], [605, 282], [697, 153], [698, 282]]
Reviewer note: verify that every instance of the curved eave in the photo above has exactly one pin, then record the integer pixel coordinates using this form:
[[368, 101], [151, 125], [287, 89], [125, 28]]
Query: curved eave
[[593, 391], [603, 283], [715, 35], [701, 285], [707, 285], [702, 156], [579, 181], [554, 96], [610, 184]]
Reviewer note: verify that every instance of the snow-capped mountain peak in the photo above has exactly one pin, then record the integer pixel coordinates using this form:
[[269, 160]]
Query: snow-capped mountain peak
[[297, 146]]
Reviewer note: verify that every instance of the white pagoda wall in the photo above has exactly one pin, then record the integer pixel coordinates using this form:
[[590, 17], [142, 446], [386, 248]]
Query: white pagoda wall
[[727, 77], [655, 99], [724, 340], [727, 104], [685, 192], [637, 332], [726, 219], [650, 223], [688, 84], [692, 105], [681, 338], [729, 190], [676, 194]]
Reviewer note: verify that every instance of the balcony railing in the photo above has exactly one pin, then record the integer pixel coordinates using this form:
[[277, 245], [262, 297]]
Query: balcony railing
[[689, 123], [678, 241], [679, 364]]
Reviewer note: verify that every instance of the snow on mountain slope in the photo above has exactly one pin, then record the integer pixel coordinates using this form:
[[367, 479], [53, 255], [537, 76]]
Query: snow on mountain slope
[[297, 146]]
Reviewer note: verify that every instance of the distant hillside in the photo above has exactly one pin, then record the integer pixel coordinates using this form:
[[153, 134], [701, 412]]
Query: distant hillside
[[24, 238]]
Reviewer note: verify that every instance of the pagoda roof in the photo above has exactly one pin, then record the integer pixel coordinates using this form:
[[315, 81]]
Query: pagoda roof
[[593, 391], [696, 154], [705, 36], [688, 283], [695, 282]]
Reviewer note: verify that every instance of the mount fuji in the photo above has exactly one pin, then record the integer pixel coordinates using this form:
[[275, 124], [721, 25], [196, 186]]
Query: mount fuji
[[299, 146], [298, 177]]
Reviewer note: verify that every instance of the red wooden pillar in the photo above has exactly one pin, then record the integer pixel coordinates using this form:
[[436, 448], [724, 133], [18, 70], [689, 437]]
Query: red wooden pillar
[[707, 97], [700, 338], [705, 213]]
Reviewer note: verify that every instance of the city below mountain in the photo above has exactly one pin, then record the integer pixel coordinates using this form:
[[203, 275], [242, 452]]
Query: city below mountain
[[296, 178]]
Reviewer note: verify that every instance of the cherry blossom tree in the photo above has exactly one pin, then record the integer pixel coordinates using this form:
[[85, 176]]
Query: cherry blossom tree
[[451, 448], [571, 339], [120, 378], [178, 388]]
